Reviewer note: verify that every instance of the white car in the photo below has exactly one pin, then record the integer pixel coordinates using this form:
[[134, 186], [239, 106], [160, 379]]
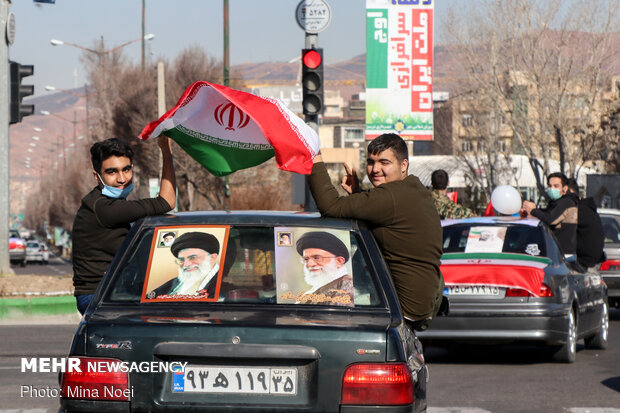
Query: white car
[[37, 251]]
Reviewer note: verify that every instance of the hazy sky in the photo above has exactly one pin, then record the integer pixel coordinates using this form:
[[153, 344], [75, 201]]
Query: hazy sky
[[260, 30]]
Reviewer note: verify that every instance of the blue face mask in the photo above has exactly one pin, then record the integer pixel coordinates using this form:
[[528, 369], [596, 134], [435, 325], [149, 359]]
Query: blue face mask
[[112, 192], [554, 193]]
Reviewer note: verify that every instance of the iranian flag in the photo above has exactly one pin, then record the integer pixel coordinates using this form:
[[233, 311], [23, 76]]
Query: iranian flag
[[226, 130], [495, 269]]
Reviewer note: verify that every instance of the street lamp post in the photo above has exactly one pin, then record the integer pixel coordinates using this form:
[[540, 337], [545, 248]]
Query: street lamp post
[[85, 95], [56, 42], [102, 56], [74, 122]]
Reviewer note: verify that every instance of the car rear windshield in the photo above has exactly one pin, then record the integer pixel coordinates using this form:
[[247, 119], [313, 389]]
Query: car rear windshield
[[233, 264], [611, 229], [14, 234], [477, 237]]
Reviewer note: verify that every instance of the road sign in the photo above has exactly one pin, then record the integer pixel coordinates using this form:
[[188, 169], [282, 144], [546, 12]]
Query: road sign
[[10, 29], [313, 16]]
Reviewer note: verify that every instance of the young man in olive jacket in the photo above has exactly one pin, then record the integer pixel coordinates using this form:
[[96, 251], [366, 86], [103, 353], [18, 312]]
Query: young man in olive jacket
[[402, 216], [104, 217]]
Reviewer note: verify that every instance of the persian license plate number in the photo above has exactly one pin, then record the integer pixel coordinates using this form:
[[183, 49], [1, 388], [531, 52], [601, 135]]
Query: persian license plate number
[[475, 290], [221, 379]]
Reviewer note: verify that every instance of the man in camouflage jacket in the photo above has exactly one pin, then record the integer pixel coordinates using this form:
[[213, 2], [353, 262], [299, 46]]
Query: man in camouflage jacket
[[446, 208]]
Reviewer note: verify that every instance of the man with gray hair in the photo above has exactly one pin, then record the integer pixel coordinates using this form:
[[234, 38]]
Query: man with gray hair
[[197, 257], [324, 257]]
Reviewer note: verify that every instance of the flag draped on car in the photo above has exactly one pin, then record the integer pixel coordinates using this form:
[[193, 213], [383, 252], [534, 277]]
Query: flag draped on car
[[499, 270], [226, 130]]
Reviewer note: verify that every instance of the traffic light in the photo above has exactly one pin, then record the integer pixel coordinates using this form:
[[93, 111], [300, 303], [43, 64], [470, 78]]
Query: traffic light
[[312, 81], [18, 91]]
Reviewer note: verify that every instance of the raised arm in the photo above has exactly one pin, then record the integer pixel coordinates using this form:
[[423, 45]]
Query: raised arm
[[168, 185]]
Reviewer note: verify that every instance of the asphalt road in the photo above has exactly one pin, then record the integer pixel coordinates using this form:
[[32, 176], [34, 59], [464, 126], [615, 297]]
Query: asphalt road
[[510, 379], [55, 266], [494, 379]]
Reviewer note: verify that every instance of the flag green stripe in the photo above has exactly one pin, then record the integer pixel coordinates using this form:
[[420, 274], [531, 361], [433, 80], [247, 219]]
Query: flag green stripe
[[218, 159], [493, 255]]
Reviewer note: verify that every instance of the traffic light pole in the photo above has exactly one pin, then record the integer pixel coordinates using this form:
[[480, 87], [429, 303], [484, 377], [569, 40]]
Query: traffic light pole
[[5, 264], [311, 42]]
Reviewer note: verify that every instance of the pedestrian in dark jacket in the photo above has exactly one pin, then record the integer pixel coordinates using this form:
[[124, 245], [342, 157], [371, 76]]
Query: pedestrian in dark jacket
[[104, 217], [590, 234], [561, 214]]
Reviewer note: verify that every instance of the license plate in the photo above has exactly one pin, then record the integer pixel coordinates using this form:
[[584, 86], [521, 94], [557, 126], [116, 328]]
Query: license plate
[[476, 290], [222, 379]]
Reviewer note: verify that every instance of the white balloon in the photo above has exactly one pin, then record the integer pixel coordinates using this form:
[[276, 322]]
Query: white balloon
[[506, 200]]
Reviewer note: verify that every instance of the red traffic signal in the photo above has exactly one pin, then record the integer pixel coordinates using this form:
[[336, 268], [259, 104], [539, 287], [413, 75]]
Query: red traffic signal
[[312, 59], [312, 81]]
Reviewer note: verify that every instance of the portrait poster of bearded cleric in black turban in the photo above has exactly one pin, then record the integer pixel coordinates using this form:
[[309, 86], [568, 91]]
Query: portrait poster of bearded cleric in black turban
[[317, 270], [191, 269]]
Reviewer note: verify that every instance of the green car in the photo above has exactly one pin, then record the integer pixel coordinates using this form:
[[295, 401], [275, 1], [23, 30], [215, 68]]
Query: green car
[[245, 311]]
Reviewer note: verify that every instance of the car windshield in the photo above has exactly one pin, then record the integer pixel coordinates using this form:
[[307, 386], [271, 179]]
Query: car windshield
[[32, 244], [476, 237], [611, 229], [271, 265]]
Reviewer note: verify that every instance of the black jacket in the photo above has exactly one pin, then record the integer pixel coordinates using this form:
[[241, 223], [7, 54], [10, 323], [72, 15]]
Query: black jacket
[[590, 236], [561, 216], [99, 228]]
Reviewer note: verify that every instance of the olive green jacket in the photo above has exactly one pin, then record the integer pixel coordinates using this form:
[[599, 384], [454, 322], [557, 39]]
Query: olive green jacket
[[405, 223]]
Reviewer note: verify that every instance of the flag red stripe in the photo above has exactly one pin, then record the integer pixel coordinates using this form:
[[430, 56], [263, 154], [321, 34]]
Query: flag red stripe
[[528, 278], [288, 146], [292, 153]]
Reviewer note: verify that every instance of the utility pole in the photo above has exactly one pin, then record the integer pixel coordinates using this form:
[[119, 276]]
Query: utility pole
[[226, 83], [312, 16], [5, 264], [143, 34], [226, 46], [311, 42]]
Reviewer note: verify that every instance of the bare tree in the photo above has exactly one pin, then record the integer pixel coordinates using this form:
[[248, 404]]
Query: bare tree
[[544, 66], [134, 106], [485, 154]]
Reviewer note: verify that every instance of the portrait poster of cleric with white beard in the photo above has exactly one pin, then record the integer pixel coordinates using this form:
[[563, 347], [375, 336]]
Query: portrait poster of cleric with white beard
[[315, 268], [190, 269]]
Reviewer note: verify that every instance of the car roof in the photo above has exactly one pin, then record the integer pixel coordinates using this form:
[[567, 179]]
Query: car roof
[[608, 211], [531, 222], [276, 218]]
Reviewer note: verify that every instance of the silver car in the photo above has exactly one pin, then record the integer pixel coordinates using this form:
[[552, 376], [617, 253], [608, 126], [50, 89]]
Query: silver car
[[508, 282], [37, 251], [610, 269]]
